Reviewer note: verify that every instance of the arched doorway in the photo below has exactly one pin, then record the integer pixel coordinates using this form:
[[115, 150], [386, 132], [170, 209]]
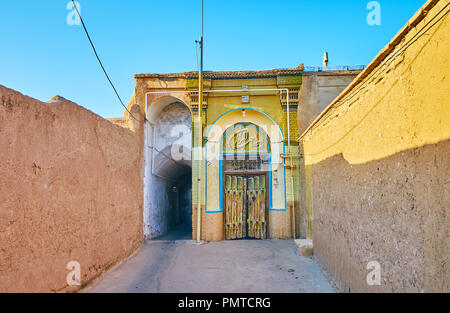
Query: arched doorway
[[246, 180], [168, 170], [214, 218]]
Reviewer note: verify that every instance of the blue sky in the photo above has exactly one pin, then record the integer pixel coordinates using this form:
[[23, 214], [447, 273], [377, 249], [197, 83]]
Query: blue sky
[[42, 56]]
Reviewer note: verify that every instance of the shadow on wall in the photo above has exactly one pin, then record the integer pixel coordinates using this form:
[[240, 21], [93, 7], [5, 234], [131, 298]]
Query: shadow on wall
[[393, 211]]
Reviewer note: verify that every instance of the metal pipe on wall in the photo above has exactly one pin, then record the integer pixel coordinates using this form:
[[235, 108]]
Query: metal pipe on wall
[[200, 135]]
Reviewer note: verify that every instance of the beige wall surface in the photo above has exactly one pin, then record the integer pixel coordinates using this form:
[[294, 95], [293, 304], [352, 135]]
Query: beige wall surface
[[70, 190], [377, 164], [318, 90]]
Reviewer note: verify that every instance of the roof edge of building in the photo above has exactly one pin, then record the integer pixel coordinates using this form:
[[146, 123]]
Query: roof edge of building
[[246, 74], [413, 21], [227, 74]]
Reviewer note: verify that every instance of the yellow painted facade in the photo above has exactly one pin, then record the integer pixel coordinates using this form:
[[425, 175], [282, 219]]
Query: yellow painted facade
[[266, 109]]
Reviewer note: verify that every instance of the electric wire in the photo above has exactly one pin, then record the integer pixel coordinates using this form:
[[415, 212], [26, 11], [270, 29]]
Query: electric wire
[[101, 64]]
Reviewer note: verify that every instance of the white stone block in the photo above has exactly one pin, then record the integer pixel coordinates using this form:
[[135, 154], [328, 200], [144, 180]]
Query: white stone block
[[304, 247]]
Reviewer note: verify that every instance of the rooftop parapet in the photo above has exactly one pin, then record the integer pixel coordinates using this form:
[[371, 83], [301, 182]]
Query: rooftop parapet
[[334, 68]]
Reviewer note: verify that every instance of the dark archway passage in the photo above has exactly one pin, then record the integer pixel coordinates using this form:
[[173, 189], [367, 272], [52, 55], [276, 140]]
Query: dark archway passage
[[177, 189], [168, 178]]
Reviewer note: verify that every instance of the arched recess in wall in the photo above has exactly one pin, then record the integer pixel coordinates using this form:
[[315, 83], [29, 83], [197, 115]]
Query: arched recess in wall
[[214, 139], [168, 166]]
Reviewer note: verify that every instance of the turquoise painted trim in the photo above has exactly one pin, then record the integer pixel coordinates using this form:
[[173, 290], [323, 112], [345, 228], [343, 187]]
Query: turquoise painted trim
[[220, 186], [212, 212], [244, 153], [220, 170], [245, 108]]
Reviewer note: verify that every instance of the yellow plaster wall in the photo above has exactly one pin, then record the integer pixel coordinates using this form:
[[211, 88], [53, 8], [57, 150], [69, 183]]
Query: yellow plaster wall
[[377, 165], [216, 105], [404, 107], [269, 102]]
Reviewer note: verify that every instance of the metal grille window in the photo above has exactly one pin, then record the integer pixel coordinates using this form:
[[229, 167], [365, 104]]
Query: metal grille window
[[246, 163]]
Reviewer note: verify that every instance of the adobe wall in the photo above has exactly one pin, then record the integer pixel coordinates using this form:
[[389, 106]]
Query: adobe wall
[[71, 190], [377, 165], [318, 90]]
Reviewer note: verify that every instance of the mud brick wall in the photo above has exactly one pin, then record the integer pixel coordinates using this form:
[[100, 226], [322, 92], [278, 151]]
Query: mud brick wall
[[377, 165], [70, 190]]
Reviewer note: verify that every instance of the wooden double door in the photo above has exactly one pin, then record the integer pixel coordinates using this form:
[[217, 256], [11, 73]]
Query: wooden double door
[[246, 202]]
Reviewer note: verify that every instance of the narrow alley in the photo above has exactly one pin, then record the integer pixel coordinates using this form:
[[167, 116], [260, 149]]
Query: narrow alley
[[298, 147], [248, 266]]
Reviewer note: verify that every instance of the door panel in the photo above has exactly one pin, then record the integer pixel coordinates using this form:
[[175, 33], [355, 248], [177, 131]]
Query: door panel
[[262, 198], [245, 207]]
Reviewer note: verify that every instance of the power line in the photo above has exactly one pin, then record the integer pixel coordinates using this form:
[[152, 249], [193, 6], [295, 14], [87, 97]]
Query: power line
[[101, 64]]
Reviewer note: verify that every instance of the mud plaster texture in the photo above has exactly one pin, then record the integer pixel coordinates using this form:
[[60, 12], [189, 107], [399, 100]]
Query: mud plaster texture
[[70, 190], [393, 211], [377, 166], [318, 90]]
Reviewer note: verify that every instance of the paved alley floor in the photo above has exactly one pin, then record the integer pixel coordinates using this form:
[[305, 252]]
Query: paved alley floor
[[246, 266]]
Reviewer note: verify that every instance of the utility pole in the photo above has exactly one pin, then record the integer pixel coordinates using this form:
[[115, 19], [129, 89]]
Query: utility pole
[[200, 137]]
